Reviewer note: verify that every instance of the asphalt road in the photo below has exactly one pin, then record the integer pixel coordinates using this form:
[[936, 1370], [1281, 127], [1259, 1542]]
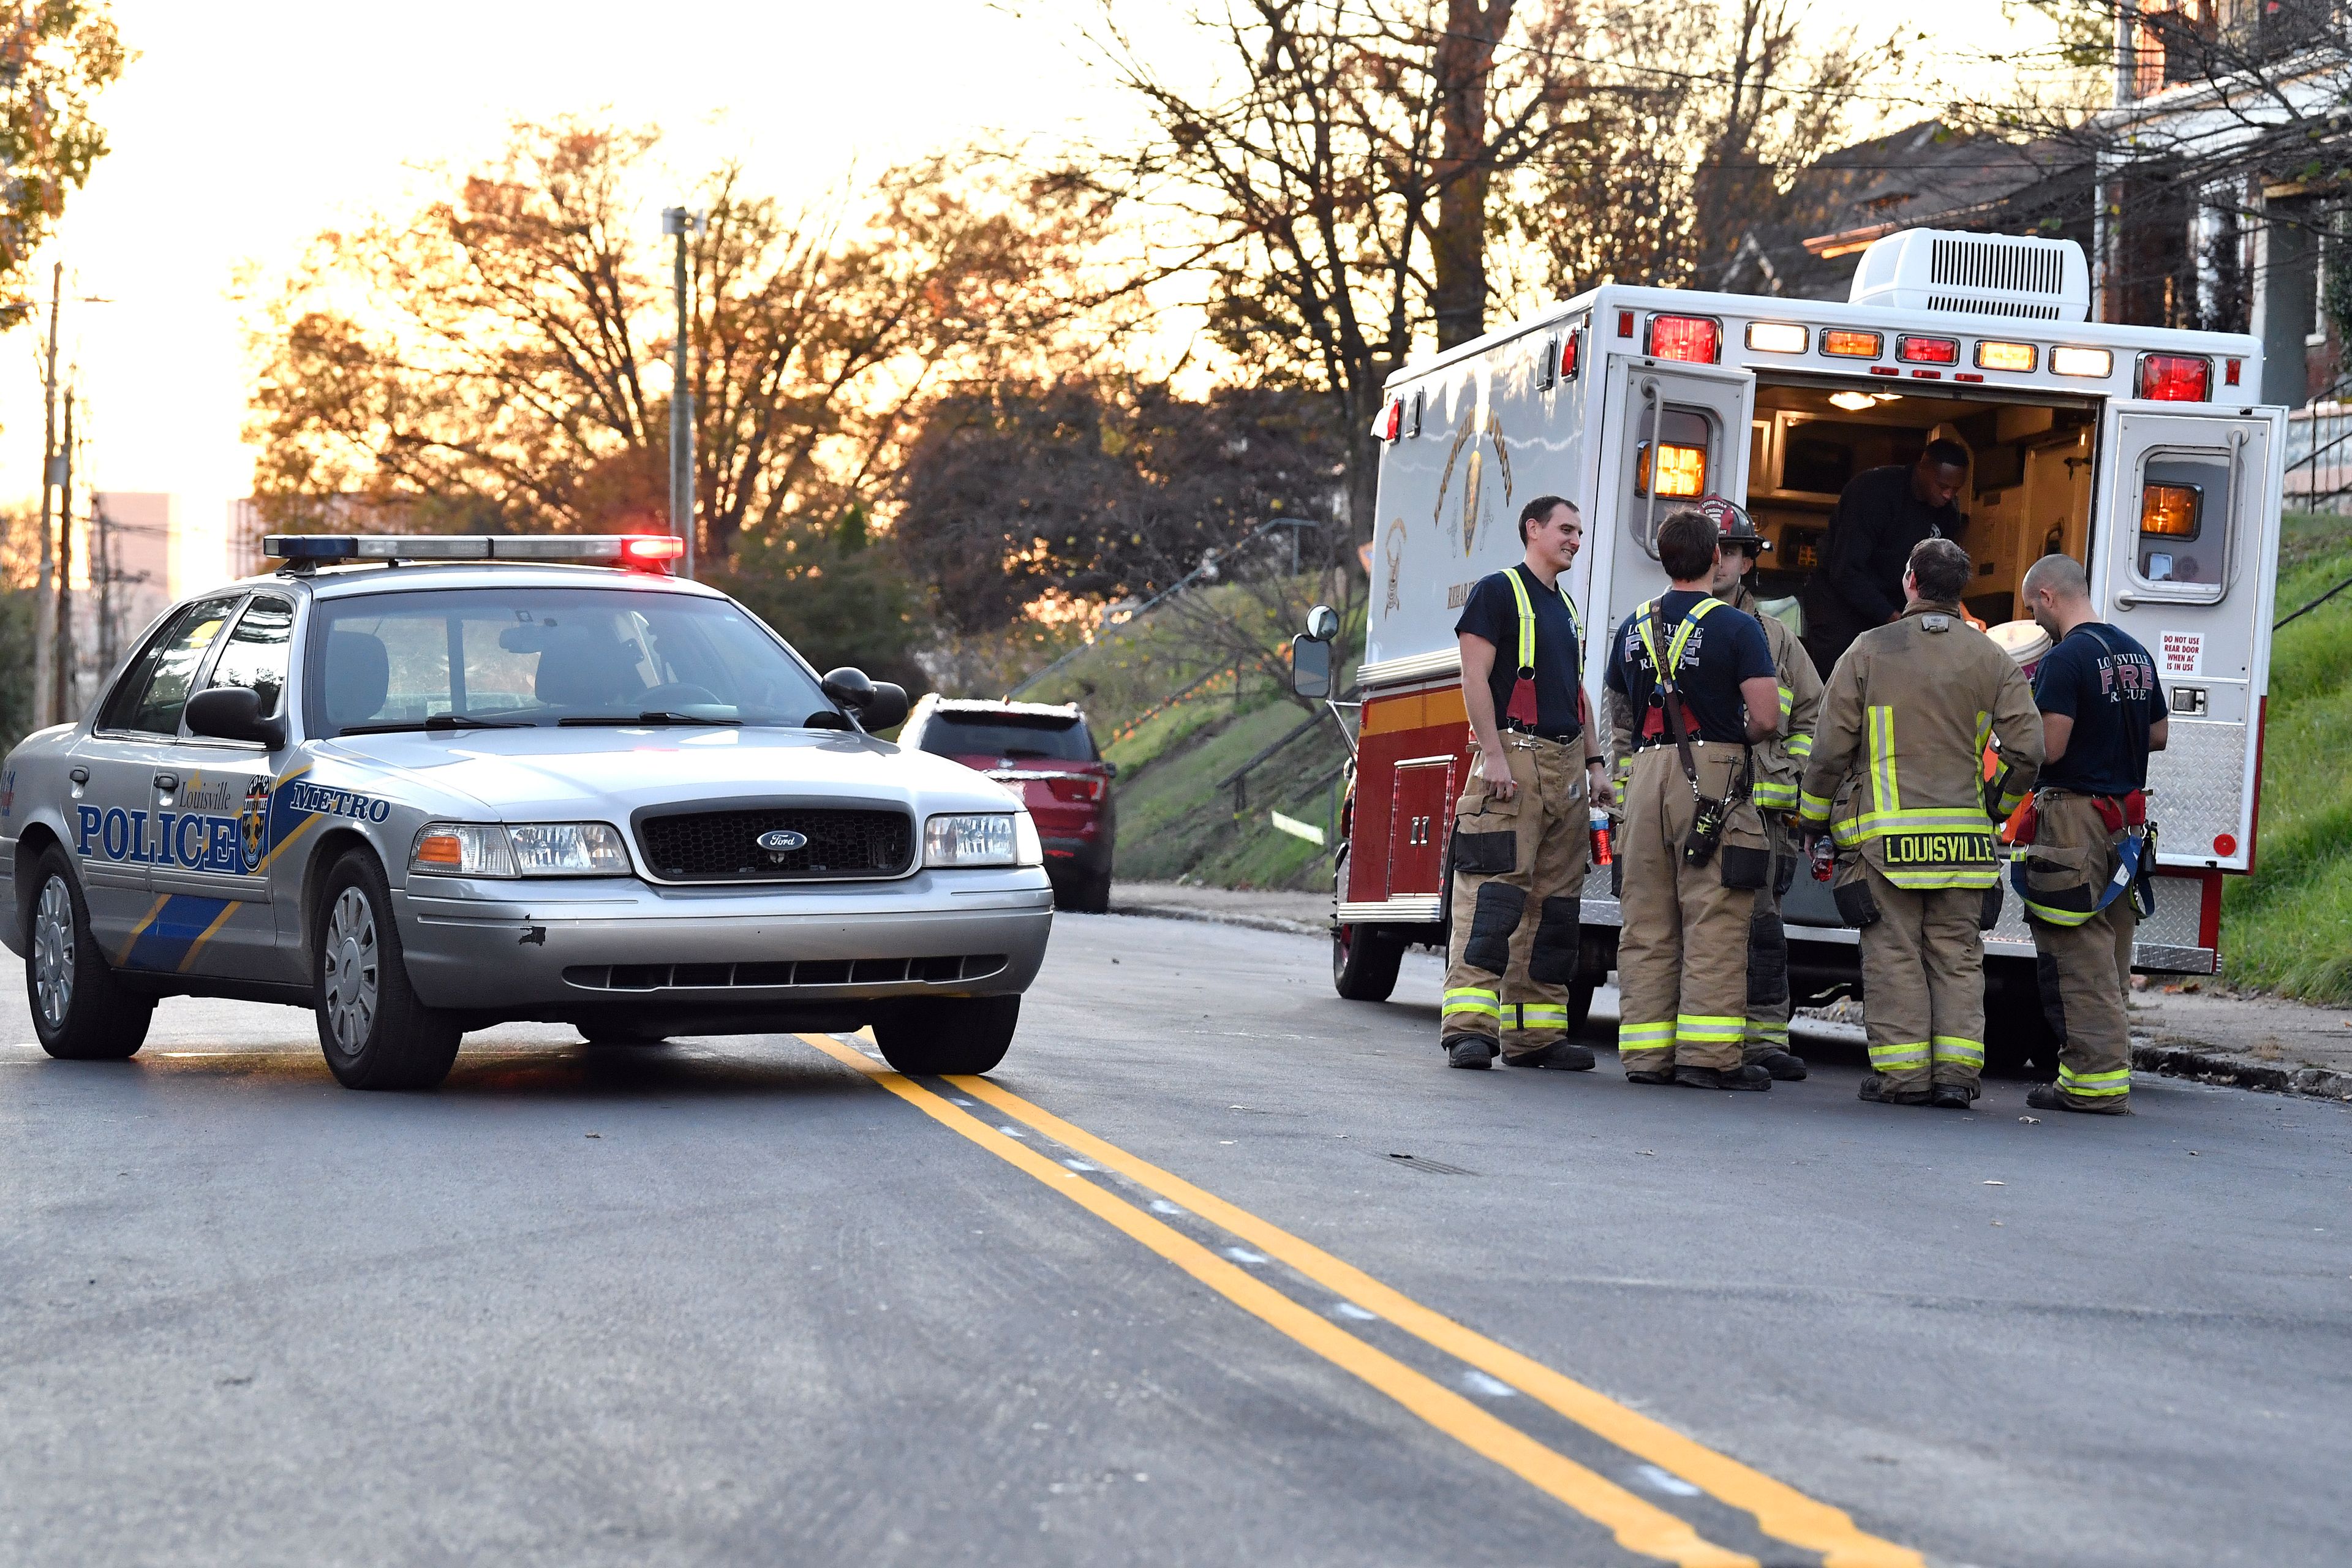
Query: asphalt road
[[756, 1300]]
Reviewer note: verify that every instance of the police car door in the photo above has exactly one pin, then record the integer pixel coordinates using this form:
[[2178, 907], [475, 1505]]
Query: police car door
[[1677, 432], [223, 891], [2188, 509], [126, 809]]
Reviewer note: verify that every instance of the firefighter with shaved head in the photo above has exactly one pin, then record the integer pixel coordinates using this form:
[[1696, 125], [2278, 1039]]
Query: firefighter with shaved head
[[1897, 780]]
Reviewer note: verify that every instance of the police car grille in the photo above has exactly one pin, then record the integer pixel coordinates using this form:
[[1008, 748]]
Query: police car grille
[[723, 846]]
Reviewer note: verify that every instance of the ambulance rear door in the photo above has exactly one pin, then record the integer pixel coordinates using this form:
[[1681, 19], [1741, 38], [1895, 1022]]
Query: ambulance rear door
[[2181, 558], [1673, 432]]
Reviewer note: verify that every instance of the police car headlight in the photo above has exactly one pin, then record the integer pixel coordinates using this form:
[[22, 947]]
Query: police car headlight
[[568, 849], [462, 850], [990, 839]]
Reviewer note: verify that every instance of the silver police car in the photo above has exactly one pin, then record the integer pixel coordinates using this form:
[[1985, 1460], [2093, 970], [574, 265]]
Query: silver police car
[[423, 786]]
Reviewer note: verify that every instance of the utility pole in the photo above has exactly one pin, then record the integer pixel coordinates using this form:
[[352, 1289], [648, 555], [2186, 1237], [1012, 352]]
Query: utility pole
[[102, 574], [680, 222], [44, 607], [63, 707]]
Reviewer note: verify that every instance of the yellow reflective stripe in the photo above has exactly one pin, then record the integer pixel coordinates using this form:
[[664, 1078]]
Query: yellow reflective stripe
[[1883, 795], [1812, 807], [1769, 1030], [2059, 917], [1706, 1028], [1801, 745], [1924, 819], [1885, 1057], [1674, 645], [1787, 701], [1779, 797], [1984, 730], [2010, 803], [1952, 1049], [1473, 999], [2094, 1084], [1927, 880], [1645, 1034], [1528, 617]]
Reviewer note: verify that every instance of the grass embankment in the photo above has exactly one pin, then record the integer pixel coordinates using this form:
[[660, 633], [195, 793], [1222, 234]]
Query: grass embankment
[[2288, 927], [1166, 710]]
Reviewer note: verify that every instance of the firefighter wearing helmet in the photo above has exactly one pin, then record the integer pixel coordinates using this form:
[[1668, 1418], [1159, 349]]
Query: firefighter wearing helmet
[[1780, 768]]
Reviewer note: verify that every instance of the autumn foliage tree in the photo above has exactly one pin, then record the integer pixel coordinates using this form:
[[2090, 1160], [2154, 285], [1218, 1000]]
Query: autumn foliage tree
[[55, 58]]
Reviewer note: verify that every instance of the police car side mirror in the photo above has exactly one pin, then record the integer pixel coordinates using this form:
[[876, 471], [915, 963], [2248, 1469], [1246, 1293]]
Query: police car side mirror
[[1310, 668], [234, 713], [878, 704], [887, 707]]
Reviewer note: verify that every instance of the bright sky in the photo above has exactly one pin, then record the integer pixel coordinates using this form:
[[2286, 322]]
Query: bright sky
[[241, 132]]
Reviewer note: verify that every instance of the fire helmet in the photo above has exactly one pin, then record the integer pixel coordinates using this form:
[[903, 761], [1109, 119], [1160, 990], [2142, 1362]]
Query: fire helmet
[[1731, 521]]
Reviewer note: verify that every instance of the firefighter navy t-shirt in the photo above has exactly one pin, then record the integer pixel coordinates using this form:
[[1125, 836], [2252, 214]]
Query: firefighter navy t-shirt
[[1492, 613], [1725, 648], [2107, 683]]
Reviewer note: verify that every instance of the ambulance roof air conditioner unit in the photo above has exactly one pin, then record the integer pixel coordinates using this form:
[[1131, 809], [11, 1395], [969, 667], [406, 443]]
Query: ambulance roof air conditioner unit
[[1976, 274]]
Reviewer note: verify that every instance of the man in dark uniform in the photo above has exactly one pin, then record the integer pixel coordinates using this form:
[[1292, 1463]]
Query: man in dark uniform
[[1691, 683], [2102, 713], [1522, 823], [1881, 516]]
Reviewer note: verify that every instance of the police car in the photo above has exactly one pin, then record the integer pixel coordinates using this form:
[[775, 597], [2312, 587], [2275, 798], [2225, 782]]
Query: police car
[[424, 785]]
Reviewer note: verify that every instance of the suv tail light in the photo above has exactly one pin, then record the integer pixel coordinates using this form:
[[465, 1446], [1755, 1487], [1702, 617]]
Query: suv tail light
[[2174, 378], [1084, 787]]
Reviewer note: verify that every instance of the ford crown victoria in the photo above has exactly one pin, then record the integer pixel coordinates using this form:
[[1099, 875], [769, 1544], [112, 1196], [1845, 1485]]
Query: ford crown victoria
[[426, 785]]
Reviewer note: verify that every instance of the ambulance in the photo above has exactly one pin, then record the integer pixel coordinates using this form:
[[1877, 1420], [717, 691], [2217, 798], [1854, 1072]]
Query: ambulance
[[2143, 452]]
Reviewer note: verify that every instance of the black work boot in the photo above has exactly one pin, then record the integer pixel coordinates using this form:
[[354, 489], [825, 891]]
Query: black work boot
[[1566, 1056], [1746, 1077], [1874, 1089], [1952, 1096], [2046, 1097], [1783, 1067], [1469, 1051], [1666, 1077]]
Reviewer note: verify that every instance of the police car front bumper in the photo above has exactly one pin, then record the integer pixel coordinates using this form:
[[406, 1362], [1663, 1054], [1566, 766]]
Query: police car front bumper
[[574, 948]]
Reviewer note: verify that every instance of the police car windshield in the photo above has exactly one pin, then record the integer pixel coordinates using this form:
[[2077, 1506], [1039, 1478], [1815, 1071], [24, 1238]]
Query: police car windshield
[[470, 659]]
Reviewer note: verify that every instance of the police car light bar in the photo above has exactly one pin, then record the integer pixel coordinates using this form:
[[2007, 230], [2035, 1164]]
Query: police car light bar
[[625, 548]]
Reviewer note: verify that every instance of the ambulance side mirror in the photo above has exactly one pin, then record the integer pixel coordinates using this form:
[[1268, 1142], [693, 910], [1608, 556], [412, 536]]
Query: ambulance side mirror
[[1322, 623], [1310, 668]]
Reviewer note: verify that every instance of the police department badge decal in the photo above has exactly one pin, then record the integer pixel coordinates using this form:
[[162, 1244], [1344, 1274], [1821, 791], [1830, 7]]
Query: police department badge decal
[[253, 825]]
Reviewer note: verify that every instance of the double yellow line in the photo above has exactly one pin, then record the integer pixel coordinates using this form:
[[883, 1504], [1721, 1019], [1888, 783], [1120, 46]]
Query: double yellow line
[[1780, 1510]]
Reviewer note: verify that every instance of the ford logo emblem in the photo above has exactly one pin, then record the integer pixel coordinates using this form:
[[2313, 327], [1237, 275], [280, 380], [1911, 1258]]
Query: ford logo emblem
[[783, 841]]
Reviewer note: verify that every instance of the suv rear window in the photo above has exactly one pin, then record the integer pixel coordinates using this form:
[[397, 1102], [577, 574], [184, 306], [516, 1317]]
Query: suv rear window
[[967, 734]]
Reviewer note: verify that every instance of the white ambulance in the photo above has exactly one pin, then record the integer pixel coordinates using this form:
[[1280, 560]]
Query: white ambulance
[[2141, 451]]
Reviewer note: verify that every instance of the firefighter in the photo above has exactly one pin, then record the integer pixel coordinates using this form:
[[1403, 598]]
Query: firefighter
[[1692, 683], [1521, 827], [1780, 768], [1880, 515], [1899, 756], [2103, 712]]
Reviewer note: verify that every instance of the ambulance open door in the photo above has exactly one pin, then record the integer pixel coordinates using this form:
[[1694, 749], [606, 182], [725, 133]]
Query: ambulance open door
[[2180, 550], [1677, 432]]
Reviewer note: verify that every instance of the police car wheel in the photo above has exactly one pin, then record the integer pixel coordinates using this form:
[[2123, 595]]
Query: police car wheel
[[81, 1012], [947, 1034], [374, 1030]]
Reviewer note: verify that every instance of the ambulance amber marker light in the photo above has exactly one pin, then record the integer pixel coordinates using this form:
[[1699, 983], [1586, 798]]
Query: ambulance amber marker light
[[2082, 361], [1693, 339], [1928, 350], [1846, 344], [2174, 378], [1777, 337], [2006, 356]]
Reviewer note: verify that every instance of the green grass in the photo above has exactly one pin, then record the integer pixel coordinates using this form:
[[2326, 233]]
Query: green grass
[[2288, 927]]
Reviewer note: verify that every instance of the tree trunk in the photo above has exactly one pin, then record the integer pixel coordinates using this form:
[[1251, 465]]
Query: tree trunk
[[1465, 65]]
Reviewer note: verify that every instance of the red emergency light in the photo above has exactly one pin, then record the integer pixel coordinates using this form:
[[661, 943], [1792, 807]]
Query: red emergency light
[[1928, 350], [1693, 339], [1568, 355], [651, 551], [2174, 378]]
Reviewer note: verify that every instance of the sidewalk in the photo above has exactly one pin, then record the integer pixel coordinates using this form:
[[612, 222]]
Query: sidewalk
[[2254, 1042]]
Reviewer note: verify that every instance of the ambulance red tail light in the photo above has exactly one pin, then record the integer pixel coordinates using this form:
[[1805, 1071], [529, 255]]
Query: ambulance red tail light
[[1390, 422], [1693, 339], [2176, 378], [1568, 353], [651, 552], [1928, 350]]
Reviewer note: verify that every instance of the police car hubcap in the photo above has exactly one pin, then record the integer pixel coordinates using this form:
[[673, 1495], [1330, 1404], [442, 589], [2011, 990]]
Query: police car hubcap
[[351, 963], [53, 952]]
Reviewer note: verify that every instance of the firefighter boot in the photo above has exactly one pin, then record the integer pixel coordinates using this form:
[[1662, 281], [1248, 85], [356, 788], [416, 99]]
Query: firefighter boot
[[1748, 1077], [1469, 1051]]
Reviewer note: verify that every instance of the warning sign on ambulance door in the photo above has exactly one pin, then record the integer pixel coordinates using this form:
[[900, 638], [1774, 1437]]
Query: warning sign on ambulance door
[[2181, 653]]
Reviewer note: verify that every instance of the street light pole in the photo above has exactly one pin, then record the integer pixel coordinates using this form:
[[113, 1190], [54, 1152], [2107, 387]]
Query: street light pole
[[680, 222]]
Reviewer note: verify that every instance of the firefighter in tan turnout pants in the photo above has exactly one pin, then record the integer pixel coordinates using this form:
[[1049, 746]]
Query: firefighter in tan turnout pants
[[1690, 681], [2103, 712], [1898, 779], [1521, 827]]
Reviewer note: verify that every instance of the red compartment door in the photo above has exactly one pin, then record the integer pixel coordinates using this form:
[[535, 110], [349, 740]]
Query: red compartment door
[[1417, 824]]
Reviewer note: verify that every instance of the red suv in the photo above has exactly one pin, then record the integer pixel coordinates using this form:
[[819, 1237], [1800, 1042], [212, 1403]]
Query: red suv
[[1048, 755]]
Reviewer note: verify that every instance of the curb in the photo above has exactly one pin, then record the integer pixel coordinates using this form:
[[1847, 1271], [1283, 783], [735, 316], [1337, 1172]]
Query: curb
[[1204, 916], [2191, 1060]]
